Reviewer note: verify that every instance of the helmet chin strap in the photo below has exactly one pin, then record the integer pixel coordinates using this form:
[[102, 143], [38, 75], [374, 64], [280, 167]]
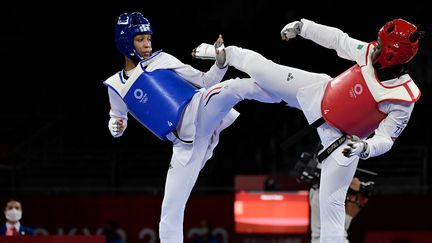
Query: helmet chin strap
[[136, 58], [391, 72]]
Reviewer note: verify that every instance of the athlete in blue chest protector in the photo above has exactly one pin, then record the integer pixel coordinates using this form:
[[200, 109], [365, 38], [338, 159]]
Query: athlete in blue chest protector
[[177, 103]]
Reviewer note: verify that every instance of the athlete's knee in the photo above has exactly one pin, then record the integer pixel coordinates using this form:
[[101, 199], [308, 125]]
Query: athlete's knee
[[240, 88], [172, 208], [231, 90], [331, 204], [333, 196]]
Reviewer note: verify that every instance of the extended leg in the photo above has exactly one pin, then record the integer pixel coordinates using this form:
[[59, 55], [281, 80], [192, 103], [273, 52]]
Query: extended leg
[[282, 81]]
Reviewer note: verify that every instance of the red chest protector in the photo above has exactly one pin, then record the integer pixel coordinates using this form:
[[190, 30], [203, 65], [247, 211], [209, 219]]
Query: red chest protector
[[351, 100]]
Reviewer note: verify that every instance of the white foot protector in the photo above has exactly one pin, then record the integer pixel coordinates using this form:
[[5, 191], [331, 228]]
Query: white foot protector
[[205, 51]]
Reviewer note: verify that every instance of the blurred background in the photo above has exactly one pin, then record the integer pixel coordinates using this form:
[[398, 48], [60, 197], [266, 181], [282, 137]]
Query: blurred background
[[58, 157]]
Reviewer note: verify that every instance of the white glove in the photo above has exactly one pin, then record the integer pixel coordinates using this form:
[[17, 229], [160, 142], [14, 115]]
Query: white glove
[[356, 146], [117, 126], [291, 30]]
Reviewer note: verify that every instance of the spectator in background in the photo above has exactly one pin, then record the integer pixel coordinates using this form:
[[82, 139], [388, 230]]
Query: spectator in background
[[110, 231], [206, 235], [271, 184], [13, 214]]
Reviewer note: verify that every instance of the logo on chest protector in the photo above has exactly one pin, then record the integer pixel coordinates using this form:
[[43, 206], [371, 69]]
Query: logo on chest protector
[[141, 96], [356, 90]]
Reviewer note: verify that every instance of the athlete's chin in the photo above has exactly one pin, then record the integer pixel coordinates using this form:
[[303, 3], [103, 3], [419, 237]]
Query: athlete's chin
[[146, 55]]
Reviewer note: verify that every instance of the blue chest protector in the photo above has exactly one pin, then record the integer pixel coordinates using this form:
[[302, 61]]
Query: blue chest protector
[[157, 100]]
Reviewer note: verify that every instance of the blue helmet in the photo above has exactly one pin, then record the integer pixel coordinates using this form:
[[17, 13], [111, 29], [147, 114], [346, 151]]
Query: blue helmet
[[127, 27]]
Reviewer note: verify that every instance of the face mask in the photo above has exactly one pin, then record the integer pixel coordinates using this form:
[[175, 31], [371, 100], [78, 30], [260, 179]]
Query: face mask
[[13, 215]]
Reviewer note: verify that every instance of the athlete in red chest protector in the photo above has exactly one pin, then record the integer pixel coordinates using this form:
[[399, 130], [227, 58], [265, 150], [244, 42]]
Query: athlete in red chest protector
[[376, 96]]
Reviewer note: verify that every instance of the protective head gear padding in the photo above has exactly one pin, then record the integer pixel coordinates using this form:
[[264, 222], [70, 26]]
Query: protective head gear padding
[[127, 27], [399, 43]]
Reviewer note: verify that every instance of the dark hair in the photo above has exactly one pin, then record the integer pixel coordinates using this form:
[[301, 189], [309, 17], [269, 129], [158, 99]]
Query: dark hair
[[11, 199]]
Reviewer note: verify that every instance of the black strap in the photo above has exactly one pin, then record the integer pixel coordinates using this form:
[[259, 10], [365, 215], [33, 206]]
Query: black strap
[[177, 136], [326, 152], [300, 134]]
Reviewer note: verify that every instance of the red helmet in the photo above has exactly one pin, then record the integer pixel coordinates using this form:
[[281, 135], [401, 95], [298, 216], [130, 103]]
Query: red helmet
[[399, 45]]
